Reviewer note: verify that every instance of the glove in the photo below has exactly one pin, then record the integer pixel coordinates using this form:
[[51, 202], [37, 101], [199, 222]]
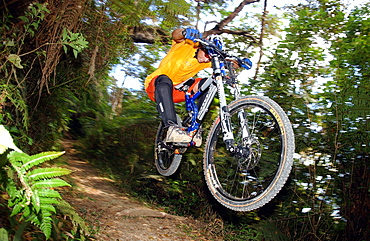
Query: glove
[[192, 34], [246, 63]]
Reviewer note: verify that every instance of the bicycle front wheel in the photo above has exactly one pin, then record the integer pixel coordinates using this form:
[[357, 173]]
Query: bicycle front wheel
[[252, 176]]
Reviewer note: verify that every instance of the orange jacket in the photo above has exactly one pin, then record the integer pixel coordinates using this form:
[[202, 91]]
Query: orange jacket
[[179, 64]]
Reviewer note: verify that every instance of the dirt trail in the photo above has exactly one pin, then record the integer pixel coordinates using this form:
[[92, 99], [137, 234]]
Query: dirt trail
[[118, 217]]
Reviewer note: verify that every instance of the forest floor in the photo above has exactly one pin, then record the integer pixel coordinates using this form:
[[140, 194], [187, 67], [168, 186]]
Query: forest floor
[[116, 216]]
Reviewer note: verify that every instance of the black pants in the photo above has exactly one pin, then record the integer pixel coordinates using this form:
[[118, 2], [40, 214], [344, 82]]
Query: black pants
[[163, 96]]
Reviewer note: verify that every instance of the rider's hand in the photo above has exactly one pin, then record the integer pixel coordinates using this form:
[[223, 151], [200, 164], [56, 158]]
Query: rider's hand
[[192, 34], [246, 63]]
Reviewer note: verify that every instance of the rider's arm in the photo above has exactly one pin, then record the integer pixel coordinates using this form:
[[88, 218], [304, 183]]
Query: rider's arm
[[177, 35], [181, 34]]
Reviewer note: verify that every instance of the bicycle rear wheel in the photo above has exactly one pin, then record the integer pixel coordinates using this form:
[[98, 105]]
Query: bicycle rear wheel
[[250, 178], [167, 157]]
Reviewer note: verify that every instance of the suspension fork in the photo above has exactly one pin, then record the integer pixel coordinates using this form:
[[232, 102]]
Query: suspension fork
[[228, 135]]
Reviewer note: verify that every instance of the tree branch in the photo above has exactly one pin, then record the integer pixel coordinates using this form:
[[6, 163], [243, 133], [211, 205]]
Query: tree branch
[[219, 28], [148, 34]]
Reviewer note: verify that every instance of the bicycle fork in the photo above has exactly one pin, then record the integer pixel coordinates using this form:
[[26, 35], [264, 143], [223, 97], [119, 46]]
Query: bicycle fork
[[226, 126]]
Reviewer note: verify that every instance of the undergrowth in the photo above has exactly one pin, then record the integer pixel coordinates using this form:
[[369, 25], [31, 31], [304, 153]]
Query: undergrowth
[[29, 197]]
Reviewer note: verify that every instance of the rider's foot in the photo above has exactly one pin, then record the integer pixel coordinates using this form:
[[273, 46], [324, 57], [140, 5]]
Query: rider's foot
[[177, 134], [198, 138]]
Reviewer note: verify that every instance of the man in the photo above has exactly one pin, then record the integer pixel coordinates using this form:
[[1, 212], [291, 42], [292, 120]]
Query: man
[[184, 60]]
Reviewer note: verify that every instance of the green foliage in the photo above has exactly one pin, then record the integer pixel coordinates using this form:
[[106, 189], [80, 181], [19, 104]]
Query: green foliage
[[243, 232], [33, 198], [15, 112], [22, 60], [329, 120], [31, 188], [34, 17], [168, 13], [3, 234], [75, 40], [79, 230]]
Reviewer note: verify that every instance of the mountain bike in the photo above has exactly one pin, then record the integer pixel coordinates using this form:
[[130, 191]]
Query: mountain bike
[[248, 152]]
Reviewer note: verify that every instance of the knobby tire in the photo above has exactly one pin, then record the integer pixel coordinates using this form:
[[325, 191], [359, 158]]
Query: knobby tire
[[244, 182]]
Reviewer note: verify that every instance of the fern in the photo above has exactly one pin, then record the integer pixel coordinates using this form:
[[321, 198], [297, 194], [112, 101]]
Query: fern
[[31, 188], [25, 162], [79, 226], [33, 197]]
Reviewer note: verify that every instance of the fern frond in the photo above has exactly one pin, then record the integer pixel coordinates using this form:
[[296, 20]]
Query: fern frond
[[34, 219], [78, 223], [32, 194], [44, 200], [35, 200], [38, 159], [11, 188], [48, 183], [45, 173], [48, 209], [46, 226], [17, 208], [48, 193]]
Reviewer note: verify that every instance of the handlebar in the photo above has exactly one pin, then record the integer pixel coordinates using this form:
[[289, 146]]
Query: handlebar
[[245, 63]]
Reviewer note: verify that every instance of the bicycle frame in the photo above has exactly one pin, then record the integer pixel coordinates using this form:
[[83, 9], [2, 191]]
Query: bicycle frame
[[215, 84]]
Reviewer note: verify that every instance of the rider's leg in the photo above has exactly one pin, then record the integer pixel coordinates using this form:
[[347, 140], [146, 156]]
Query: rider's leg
[[163, 97], [166, 108]]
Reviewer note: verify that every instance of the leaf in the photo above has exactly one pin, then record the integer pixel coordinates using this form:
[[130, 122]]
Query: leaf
[[34, 219], [48, 193], [10, 43], [24, 19], [65, 49], [15, 60], [46, 226], [17, 209], [44, 201], [75, 52], [44, 173], [35, 25], [50, 183], [40, 158], [47, 209], [35, 200], [3, 234], [27, 211]]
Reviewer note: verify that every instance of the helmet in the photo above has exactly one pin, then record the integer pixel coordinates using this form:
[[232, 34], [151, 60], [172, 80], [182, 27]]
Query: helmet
[[217, 41]]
